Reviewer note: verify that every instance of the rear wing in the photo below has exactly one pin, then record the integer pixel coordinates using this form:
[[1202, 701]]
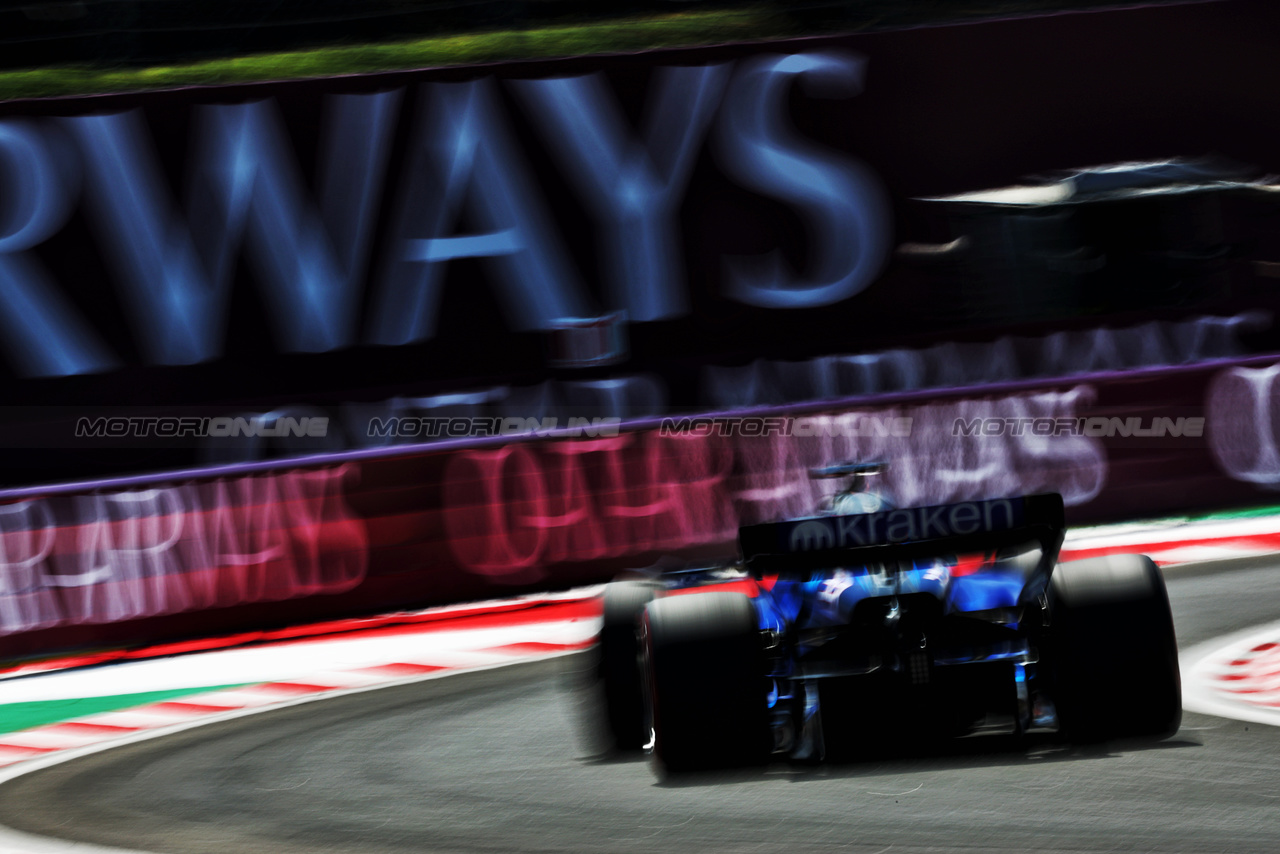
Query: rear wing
[[802, 545]]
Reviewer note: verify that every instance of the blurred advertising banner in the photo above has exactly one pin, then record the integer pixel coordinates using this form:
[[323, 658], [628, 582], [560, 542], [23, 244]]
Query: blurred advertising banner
[[630, 232], [244, 547]]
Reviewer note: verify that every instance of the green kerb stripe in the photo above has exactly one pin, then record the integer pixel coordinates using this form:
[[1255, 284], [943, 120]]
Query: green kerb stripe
[[16, 716]]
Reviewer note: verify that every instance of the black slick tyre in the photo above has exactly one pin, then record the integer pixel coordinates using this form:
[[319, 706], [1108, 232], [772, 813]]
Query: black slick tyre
[[1112, 650], [706, 682], [618, 664]]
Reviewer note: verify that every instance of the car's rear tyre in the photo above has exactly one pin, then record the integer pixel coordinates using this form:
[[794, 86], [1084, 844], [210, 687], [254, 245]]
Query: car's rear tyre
[[619, 671], [1113, 652], [706, 681]]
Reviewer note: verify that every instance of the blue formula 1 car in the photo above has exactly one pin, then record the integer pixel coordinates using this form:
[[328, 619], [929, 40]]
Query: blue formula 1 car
[[875, 625]]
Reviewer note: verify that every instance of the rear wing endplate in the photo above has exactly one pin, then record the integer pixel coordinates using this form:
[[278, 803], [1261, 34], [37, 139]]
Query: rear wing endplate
[[819, 542]]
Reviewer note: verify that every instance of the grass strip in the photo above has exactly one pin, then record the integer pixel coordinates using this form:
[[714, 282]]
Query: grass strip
[[571, 38], [617, 36]]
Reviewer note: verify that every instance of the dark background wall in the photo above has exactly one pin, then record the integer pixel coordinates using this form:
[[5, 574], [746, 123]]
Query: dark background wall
[[938, 110]]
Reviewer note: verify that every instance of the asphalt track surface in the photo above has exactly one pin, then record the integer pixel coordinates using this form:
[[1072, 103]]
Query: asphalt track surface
[[496, 761]]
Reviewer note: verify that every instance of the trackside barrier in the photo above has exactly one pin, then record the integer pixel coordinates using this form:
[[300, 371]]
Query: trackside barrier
[[204, 552]]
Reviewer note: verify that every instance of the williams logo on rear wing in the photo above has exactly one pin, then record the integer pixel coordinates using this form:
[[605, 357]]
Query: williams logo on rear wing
[[969, 526]]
